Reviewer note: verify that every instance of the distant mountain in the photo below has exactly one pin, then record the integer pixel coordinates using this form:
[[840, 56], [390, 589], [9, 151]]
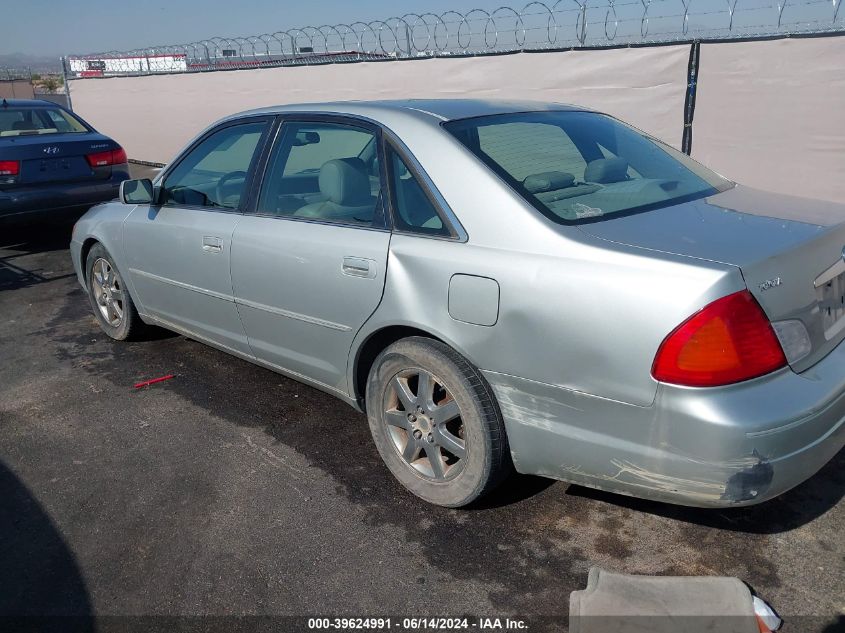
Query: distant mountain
[[37, 63]]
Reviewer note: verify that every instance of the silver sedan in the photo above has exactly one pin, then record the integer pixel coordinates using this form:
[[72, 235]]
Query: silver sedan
[[498, 286]]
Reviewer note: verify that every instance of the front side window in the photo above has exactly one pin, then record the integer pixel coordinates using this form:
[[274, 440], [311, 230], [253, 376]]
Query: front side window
[[214, 173], [583, 166], [413, 210], [30, 121], [323, 171]]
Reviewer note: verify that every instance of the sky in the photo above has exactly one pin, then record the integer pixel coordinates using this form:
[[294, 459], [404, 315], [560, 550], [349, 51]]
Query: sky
[[56, 27]]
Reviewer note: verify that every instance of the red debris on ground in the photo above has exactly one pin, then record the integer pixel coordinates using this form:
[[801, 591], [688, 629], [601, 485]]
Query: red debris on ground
[[147, 383]]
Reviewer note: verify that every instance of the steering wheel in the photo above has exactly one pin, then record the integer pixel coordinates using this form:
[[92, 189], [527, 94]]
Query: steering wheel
[[221, 184]]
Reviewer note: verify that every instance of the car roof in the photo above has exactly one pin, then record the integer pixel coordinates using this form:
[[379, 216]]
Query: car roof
[[17, 103], [439, 109]]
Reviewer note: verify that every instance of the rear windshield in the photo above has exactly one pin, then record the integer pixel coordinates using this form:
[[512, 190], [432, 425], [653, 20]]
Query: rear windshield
[[17, 121], [583, 166]]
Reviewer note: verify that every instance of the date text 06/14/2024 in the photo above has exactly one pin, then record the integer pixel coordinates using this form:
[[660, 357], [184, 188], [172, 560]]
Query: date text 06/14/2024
[[417, 624]]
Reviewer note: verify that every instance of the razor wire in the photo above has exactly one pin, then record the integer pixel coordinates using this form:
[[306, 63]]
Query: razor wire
[[536, 26]]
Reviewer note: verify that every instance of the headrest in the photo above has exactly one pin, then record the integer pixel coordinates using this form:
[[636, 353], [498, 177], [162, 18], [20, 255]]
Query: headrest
[[548, 181], [344, 181], [606, 170]]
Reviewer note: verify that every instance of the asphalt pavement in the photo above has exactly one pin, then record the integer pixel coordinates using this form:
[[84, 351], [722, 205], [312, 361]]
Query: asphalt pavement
[[230, 490]]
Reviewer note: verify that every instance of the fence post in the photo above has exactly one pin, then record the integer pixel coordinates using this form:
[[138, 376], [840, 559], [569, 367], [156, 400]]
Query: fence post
[[65, 75], [689, 100]]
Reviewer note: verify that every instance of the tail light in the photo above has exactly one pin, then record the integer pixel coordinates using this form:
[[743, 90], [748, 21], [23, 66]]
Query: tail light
[[9, 167], [728, 341], [104, 159]]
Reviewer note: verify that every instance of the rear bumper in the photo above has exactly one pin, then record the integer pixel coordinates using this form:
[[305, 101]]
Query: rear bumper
[[56, 199], [736, 445]]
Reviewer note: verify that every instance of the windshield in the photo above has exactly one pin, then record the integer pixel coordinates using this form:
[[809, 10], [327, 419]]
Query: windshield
[[17, 121], [583, 166]]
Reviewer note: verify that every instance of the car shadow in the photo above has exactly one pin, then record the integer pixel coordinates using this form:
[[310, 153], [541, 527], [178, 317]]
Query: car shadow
[[514, 489], [40, 580], [789, 511], [36, 238], [16, 243]]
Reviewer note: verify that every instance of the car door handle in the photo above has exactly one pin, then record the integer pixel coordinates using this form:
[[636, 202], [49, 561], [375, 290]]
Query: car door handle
[[359, 267], [212, 244]]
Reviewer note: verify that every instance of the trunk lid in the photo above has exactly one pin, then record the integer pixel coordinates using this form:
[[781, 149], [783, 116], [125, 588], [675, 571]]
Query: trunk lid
[[789, 250], [56, 157]]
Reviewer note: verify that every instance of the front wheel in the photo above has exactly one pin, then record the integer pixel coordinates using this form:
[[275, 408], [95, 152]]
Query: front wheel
[[436, 423], [109, 296]]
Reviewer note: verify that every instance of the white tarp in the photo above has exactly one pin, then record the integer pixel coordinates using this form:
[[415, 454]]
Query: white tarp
[[771, 114], [154, 116]]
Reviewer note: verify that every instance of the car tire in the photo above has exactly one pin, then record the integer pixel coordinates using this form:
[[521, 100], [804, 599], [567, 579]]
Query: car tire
[[415, 389], [109, 297]]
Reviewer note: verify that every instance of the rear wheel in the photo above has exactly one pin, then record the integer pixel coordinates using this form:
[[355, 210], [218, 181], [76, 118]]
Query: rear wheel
[[435, 422], [109, 297]]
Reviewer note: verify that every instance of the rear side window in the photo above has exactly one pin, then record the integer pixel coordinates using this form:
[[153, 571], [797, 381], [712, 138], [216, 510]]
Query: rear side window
[[413, 210], [214, 173]]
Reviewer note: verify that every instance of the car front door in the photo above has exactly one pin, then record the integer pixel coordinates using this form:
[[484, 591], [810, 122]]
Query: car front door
[[179, 249], [309, 261]]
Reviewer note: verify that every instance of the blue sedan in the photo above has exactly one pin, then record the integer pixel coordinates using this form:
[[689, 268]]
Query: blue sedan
[[52, 163]]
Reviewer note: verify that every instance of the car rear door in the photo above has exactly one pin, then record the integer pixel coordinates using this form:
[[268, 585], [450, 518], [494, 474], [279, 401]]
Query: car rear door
[[309, 260], [179, 249]]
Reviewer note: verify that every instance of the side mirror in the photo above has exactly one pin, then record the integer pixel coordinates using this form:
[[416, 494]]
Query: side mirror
[[137, 191]]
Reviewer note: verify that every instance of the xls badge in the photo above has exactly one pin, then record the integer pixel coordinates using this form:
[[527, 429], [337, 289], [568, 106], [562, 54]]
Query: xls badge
[[769, 283]]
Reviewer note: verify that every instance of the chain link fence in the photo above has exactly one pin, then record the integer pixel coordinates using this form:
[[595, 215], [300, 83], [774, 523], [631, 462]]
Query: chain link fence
[[16, 83], [15, 74], [536, 26]]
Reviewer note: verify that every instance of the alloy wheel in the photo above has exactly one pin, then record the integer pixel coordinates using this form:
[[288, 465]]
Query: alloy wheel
[[424, 421], [107, 289]]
